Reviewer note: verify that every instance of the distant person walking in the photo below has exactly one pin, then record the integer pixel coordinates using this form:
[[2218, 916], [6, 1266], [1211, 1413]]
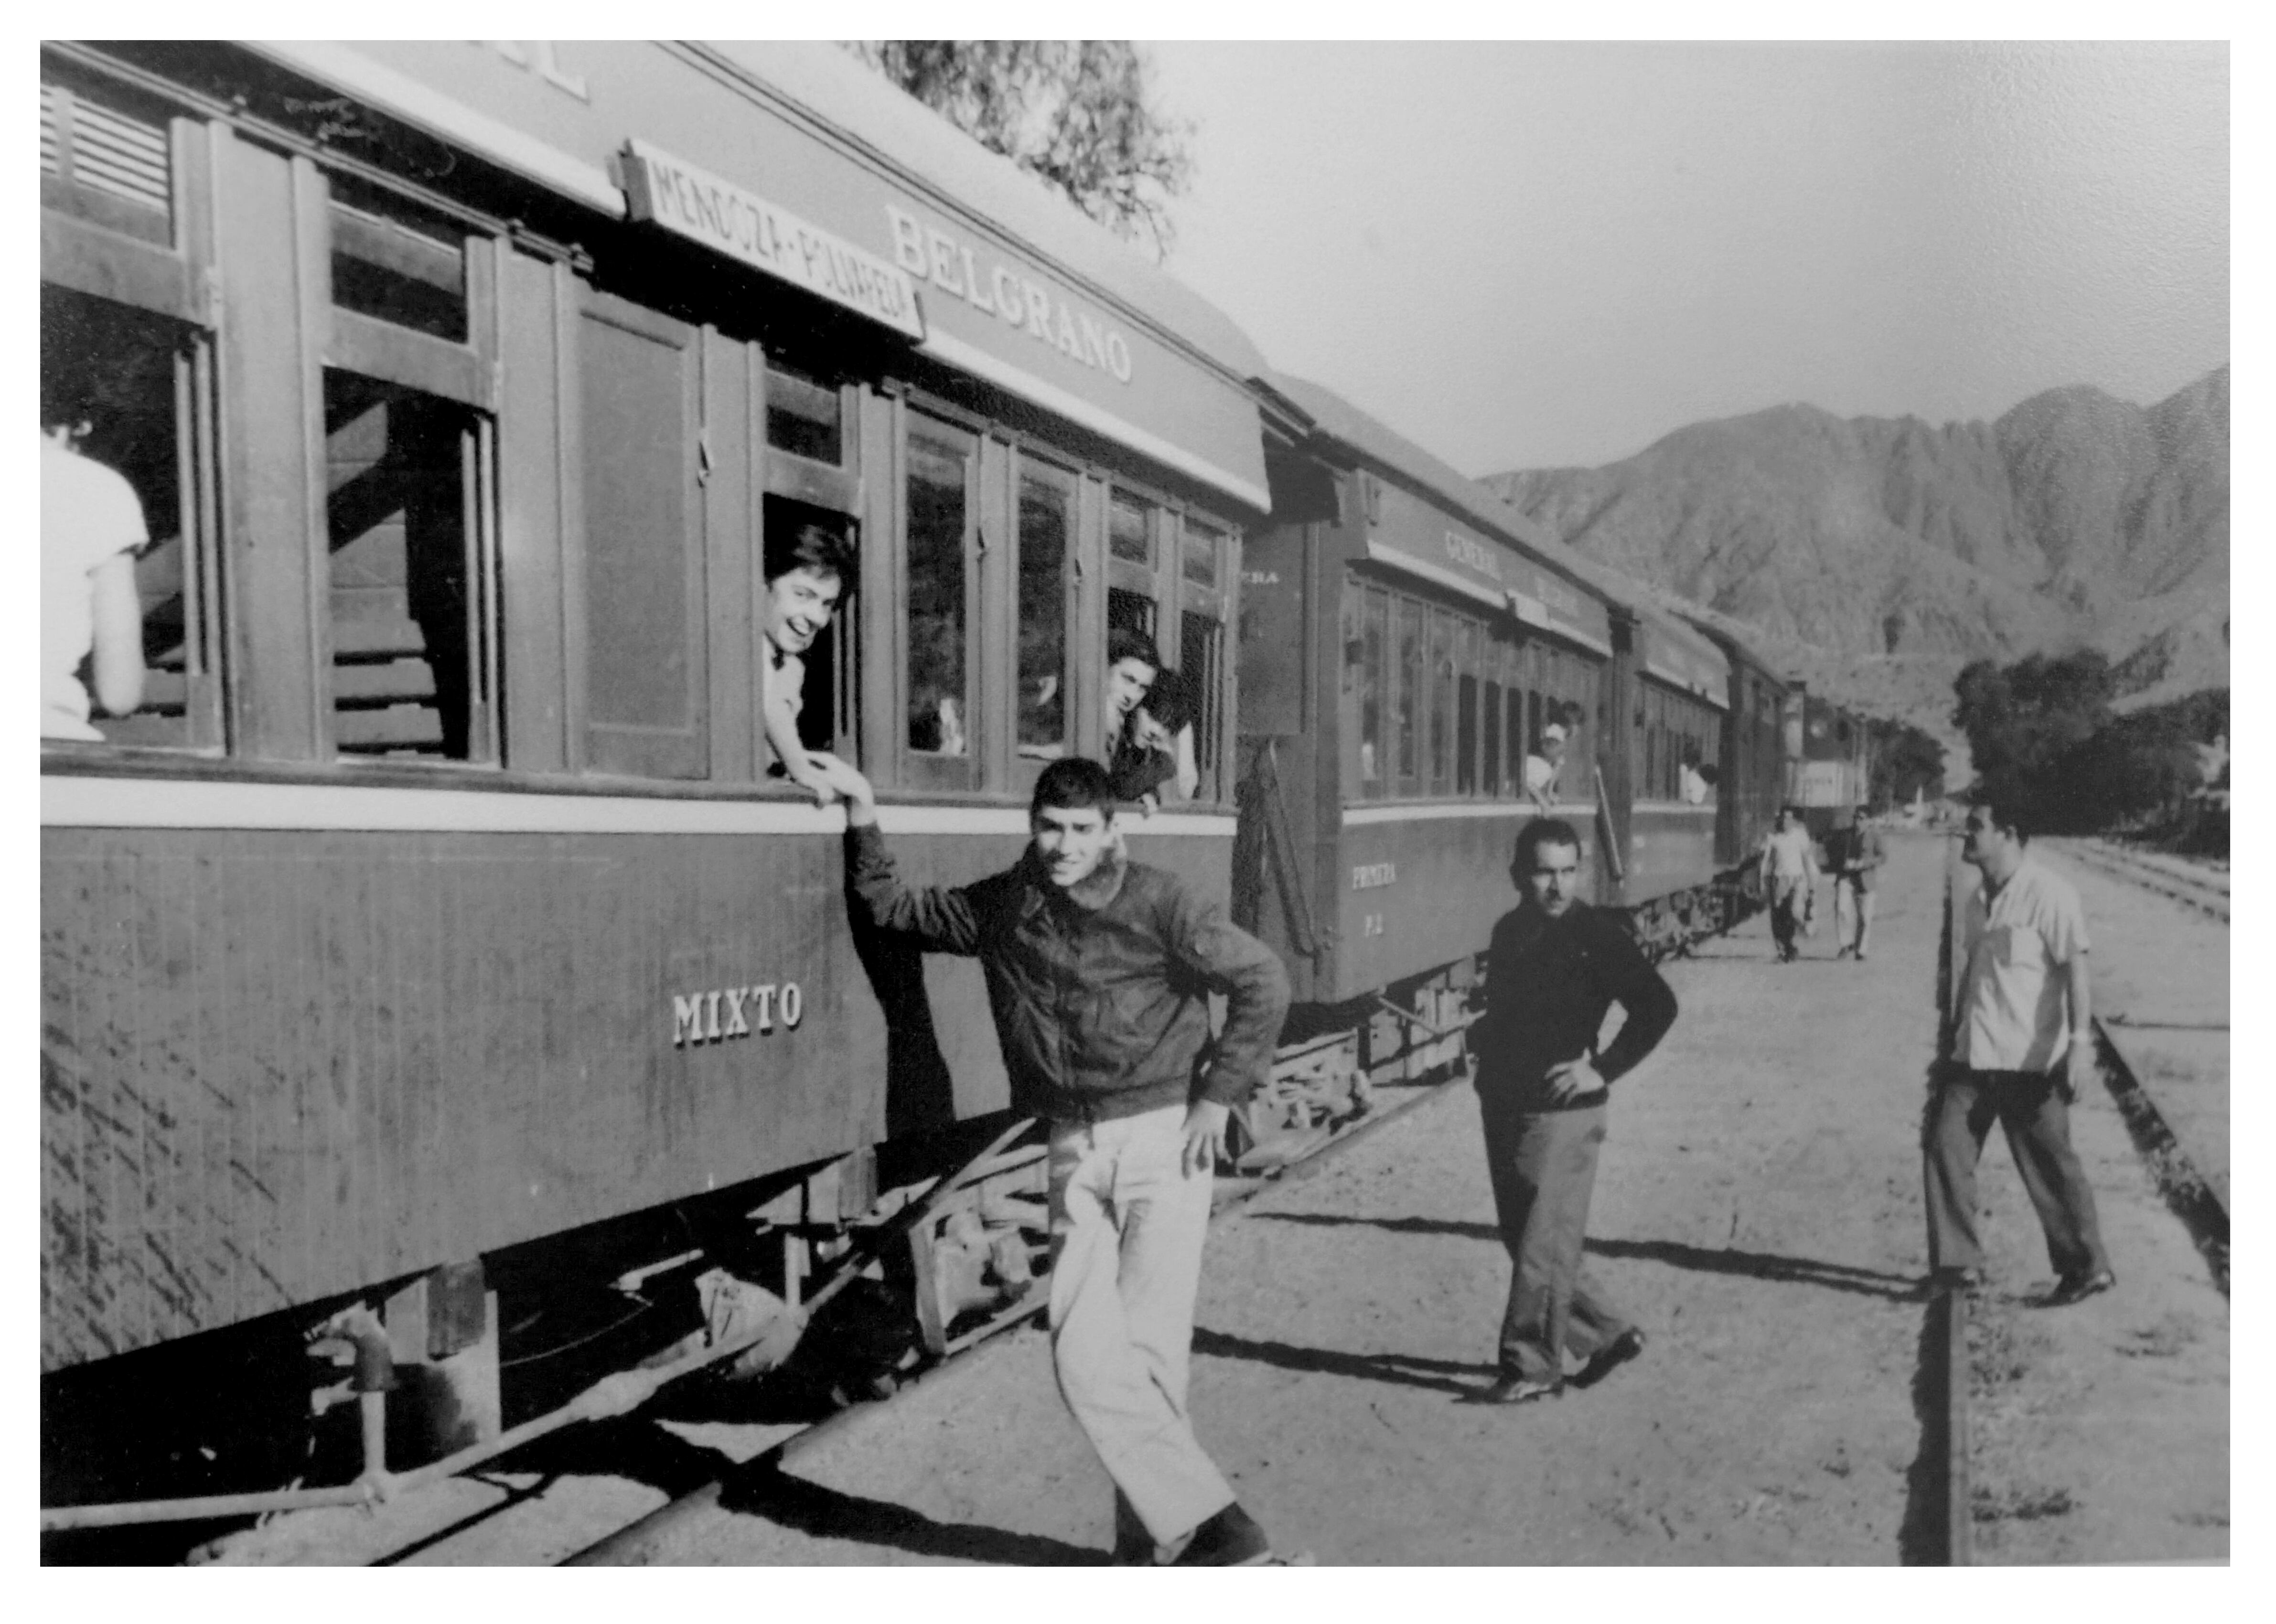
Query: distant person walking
[[1855, 851], [1556, 966], [2015, 1057], [1790, 870]]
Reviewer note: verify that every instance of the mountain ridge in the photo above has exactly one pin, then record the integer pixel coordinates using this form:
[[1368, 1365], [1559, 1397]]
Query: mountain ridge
[[1856, 547]]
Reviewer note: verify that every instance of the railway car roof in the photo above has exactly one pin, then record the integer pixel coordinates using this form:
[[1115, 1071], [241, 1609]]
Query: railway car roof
[[1336, 419], [830, 83]]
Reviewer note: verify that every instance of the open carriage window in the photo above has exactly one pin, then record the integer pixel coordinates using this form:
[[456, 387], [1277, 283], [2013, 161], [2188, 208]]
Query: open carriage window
[[126, 391], [405, 477]]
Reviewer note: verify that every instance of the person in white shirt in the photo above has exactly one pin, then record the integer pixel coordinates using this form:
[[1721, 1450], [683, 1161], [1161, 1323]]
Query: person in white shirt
[[1790, 870], [91, 527], [2016, 1058], [1545, 767]]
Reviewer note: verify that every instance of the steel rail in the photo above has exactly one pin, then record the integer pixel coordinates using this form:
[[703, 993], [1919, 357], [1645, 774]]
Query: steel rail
[[636, 1543], [1948, 1303], [612, 1396], [2180, 1181], [2110, 860]]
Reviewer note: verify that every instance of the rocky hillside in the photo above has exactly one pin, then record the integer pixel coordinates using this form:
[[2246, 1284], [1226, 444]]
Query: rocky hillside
[[1882, 552]]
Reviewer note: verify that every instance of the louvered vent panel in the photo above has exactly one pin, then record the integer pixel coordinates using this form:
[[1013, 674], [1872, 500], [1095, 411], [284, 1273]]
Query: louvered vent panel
[[52, 114], [105, 150]]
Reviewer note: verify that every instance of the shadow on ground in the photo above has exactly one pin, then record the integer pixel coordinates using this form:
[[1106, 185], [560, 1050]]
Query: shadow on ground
[[1399, 1370], [1675, 1254], [795, 1503]]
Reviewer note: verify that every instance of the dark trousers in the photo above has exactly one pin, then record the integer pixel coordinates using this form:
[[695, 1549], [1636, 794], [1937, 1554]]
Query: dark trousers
[[2034, 1113], [1788, 897], [1545, 1167]]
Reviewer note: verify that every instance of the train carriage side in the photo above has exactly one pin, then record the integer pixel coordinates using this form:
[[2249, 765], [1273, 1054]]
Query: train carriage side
[[1753, 780], [437, 899], [1678, 735], [1402, 661]]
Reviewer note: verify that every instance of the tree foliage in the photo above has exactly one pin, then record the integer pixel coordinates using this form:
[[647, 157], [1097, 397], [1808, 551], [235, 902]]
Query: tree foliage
[[2025, 721], [1902, 760], [1072, 112], [2044, 739]]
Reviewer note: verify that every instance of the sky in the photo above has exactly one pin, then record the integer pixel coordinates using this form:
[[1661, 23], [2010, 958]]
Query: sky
[[1536, 254]]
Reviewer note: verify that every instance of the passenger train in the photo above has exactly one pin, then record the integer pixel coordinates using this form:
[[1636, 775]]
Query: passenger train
[[431, 949]]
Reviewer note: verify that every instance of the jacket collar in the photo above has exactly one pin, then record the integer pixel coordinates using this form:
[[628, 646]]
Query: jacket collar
[[1088, 895]]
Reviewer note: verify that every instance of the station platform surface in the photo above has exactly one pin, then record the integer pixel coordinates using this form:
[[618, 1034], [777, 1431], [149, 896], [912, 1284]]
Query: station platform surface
[[1758, 1211]]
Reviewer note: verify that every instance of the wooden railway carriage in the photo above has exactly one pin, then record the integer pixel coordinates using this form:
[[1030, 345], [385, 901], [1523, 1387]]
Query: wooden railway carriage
[[1402, 652], [1752, 782], [438, 900]]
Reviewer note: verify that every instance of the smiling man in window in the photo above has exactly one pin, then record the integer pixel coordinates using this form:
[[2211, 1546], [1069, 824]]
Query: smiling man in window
[[809, 571]]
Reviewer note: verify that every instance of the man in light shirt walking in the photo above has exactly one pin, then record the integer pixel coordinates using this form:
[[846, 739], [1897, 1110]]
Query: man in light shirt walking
[[1790, 870], [2015, 1057]]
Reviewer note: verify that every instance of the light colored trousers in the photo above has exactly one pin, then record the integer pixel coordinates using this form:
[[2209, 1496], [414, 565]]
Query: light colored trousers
[[1853, 916], [1126, 1232]]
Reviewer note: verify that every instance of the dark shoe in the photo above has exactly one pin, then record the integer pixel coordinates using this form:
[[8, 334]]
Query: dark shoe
[[2071, 1288], [1513, 1388], [1610, 1357], [1132, 1551], [1231, 1538]]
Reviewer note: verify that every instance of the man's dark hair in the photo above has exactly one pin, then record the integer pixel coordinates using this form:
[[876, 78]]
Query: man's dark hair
[[1540, 832], [2011, 816], [1123, 644], [811, 546], [1170, 701], [1072, 783]]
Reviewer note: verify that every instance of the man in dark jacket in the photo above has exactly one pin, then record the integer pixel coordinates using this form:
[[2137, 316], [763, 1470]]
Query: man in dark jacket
[[1555, 967], [1098, 972]]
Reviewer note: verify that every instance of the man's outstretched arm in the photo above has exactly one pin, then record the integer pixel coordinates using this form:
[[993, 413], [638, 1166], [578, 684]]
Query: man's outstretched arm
[[940, 917]]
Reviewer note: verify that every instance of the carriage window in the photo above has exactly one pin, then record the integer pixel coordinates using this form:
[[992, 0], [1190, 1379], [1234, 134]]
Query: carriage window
[[1046, 532], [1201, 661], [128, 387], [403, 484], [940, 514], [1375, 678], [1407, 702], [1466, 709], [397, 264], [805, 417], [1200, 545], [1130, 529], [1512, 725], [1130, 611], [1442, 701]]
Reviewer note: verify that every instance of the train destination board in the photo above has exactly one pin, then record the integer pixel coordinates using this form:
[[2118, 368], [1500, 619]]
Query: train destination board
[[698, 205]]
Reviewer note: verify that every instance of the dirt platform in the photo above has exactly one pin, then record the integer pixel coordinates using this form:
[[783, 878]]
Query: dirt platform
[[1758, 1212]]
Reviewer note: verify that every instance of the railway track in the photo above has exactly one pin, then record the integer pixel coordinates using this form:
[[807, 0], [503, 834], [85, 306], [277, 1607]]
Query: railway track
[[634, 1544], [2204, 892], [2186, 1193]]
